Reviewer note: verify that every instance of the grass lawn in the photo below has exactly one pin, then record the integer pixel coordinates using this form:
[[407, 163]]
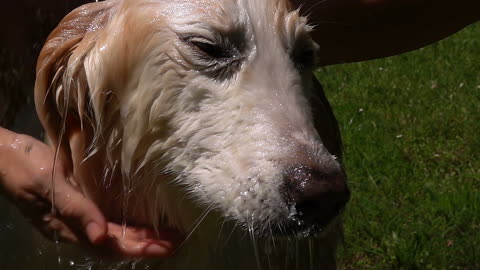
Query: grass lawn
[[411, 127]]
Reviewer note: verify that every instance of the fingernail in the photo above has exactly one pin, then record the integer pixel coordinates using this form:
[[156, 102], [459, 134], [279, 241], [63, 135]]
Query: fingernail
[[157, 250], [93, 232]]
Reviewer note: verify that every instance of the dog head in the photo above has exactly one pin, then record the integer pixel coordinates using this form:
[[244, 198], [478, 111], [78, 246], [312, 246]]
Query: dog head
[[213, 98]]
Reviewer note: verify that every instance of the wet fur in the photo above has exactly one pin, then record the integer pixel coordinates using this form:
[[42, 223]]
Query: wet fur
[[152, 126]]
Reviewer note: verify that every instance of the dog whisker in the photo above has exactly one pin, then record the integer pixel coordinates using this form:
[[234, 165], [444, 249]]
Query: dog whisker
[[251, 231], [234, 226], [220, 232], [312, 8], [311, 254], [195, 226]]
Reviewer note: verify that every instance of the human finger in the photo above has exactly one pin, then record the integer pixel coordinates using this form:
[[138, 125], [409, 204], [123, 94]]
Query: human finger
[[79, 211], [140, 242]]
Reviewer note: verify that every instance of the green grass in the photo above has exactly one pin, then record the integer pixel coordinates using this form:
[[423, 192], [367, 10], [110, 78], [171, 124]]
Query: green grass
[[411, 127]]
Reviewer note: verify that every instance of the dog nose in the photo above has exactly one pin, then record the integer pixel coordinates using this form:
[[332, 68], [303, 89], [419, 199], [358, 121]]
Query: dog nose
[[317, 195]]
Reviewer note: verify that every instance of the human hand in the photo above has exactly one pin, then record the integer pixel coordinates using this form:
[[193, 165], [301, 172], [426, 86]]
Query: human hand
[[26, 167]]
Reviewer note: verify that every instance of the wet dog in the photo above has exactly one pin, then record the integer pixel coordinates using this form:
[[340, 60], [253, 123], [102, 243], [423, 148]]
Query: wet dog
[[203, 116]]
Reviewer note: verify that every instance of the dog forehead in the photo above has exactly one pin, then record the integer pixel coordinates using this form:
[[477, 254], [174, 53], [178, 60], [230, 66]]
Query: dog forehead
[[197, 9], [272, 16], [220, 7]]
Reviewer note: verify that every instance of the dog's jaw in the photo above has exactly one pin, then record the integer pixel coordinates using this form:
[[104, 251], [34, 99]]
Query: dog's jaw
[[167, 129]]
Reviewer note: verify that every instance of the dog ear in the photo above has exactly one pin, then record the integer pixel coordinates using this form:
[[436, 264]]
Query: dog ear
[[60, 87]]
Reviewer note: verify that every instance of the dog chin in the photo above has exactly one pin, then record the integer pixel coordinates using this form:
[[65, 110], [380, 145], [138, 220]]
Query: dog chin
[[294, 227]]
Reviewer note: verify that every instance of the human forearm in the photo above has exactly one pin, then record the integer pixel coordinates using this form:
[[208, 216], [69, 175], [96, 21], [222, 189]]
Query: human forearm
[[7, 138], [16, 164]]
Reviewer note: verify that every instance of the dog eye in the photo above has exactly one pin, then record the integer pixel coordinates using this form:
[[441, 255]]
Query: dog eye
[[211, 49], [216, 57]]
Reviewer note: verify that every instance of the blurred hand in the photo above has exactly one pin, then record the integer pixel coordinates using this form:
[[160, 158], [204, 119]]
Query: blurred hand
[[26, 167]]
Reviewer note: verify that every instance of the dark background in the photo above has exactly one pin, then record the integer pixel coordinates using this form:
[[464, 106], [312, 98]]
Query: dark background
[[25, 25]]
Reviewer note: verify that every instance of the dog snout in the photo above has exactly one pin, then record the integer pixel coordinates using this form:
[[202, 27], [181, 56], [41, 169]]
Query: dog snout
[[317, 195]]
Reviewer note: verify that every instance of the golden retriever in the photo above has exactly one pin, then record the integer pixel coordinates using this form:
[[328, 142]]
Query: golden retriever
[[203, 116]]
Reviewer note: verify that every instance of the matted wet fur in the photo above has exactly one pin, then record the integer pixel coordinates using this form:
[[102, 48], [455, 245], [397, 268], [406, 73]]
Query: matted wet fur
[[192, 112]]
